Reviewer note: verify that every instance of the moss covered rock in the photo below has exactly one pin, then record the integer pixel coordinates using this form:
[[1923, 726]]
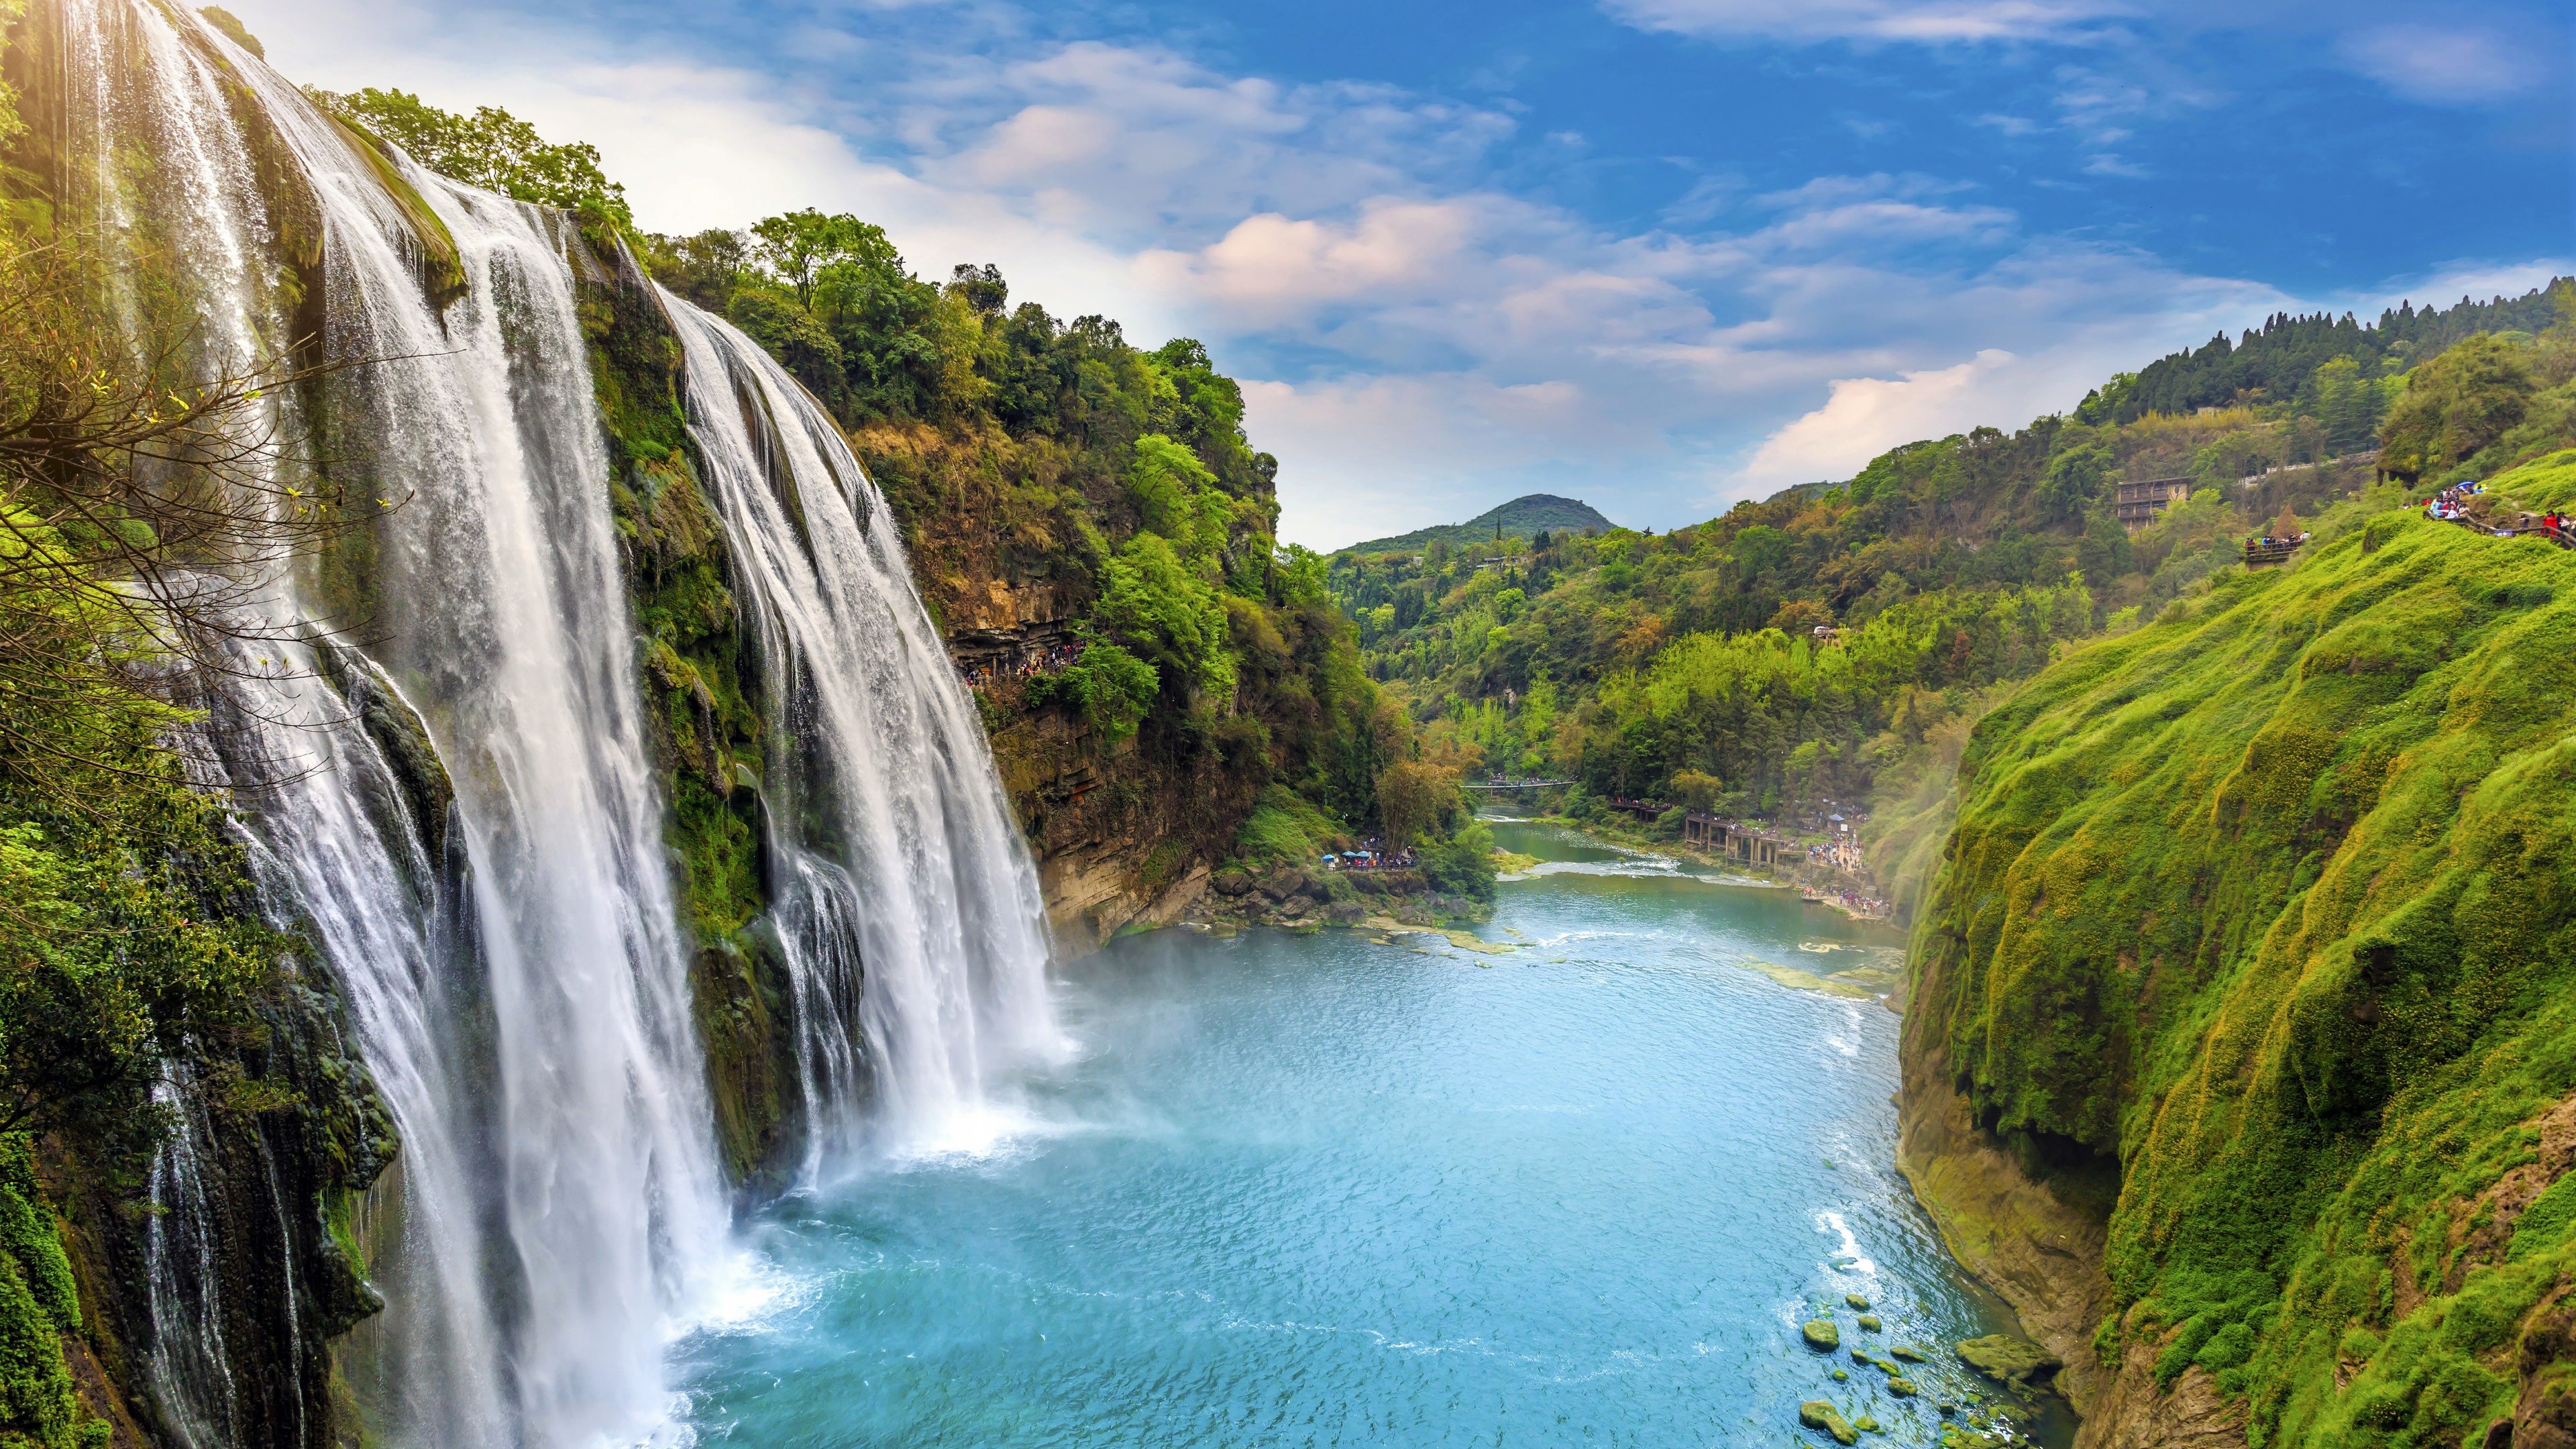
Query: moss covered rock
[[2009, 1360], [1869, 1323], [1820, 1415], [1820, 1334]]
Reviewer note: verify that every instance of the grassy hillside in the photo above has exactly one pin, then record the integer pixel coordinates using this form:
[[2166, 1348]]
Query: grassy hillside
[[2267, 906], [1524, 517]]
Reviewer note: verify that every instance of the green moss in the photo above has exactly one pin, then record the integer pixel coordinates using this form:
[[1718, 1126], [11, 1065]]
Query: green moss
[[430, 246], [1821, 1334], [1822, 1416], [2265, 911]]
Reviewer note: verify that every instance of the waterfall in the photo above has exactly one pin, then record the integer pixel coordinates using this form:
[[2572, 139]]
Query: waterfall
[[187, 1369], [927, 903], [516, 973], [563, 1206]]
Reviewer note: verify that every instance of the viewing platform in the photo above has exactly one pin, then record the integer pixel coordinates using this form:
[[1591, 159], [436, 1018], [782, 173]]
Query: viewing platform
[[2267, 551]]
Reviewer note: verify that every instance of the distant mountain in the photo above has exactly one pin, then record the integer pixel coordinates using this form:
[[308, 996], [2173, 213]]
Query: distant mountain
[[1520, 518]]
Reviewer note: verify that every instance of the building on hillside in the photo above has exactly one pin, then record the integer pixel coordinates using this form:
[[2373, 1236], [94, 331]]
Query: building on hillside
[[2141, 502]]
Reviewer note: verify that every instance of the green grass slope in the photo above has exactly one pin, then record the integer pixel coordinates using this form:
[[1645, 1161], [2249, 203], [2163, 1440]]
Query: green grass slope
[[2272, 903], [1523, 517]]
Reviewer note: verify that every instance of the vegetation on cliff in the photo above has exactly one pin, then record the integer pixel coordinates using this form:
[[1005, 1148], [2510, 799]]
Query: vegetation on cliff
[[2264, 908], [1036, 455]]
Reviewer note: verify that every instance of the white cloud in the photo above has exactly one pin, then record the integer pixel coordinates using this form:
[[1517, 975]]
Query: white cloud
[[1865, 416], [1416, 341], [2444, 285], [1930, 21], [2454, 65]]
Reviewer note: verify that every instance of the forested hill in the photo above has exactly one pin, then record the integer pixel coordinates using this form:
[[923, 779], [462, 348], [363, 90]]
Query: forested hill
[[1837, 640], [1524, 517], [2282, 361]]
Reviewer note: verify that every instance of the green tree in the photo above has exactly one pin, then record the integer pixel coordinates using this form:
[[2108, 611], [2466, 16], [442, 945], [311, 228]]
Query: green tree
[[799, 245], [1106, 685], [491, 149], [2455, 405], [1155, 603], [2074, 480]]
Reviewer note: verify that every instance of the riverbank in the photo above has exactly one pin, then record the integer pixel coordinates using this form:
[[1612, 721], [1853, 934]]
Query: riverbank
[[1816, 887]]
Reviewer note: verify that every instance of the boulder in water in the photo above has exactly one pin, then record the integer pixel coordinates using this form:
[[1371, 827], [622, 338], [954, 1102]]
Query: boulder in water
[[1857, 1301], [1906, 1352], [1903, 1388], [1821, 1334], [1869, 1323], [2010, 1360], [1817, 1414]]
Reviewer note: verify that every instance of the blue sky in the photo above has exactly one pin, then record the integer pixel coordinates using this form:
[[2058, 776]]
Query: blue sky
[[1655, 254]]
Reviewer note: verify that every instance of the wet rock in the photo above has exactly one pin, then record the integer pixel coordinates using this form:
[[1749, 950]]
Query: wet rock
[[1857, 1301], [1842, 1376], [1869, 1323], [1906, 1352], [1817, 1414], [1868, 1425], [1902, 1387], [1820, 1334], [2009, 1360]]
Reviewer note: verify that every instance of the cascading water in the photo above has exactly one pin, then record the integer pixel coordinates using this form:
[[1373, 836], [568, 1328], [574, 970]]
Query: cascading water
[[562, 1201], [929, 889], [520, 993]]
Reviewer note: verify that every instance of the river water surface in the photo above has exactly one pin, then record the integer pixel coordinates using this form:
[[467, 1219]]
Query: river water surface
[[1317, 1190]]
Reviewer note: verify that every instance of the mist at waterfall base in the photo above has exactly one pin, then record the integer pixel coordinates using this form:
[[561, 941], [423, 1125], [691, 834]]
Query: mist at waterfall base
[[1314, 1190]]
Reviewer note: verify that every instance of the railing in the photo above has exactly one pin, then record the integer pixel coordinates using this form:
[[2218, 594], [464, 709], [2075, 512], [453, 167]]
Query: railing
[[2496, 524]]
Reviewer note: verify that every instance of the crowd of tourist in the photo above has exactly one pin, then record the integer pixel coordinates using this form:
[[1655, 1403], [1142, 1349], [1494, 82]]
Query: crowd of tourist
[[1370, 856], [2451, 504], [1857, 903], [1052, 660]]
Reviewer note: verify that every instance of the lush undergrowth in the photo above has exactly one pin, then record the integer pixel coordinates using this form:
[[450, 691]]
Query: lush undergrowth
[[2269, 902]]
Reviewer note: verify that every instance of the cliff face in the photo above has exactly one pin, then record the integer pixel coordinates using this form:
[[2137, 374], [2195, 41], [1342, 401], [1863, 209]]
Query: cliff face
[[2241, 1051], [1125, 830]]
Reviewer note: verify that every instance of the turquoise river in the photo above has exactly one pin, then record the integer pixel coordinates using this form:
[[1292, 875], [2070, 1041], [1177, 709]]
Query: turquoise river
[[1337, 1190]]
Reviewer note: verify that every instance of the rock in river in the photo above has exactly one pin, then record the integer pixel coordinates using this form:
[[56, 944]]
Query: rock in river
[[2009, 1360], [1817, 1414], [1820, 1333]]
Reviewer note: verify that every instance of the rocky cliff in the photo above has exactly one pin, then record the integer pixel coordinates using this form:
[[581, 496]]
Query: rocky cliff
[[2241, 1054]]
